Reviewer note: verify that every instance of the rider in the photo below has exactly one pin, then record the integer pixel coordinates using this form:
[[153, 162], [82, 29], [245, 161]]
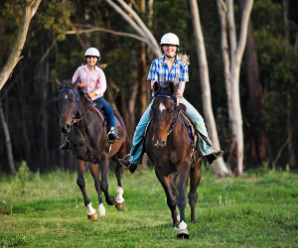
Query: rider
[[170, 68], [93, 82]]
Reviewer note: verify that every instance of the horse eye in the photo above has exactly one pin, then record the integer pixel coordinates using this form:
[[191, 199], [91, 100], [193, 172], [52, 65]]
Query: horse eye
[[170, 111]]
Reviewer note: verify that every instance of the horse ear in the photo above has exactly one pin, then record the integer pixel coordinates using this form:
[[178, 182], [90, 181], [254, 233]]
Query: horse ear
[[156, 86], [171, 88]]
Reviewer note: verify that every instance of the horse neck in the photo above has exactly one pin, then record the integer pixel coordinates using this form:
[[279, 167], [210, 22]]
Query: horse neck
[[87, 114]]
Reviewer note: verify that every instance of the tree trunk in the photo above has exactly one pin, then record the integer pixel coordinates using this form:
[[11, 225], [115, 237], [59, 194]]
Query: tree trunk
[[26, 141], [135, 21], [221, 168], [7, 142], [126, 115], [257, 135], [143, 84], [236, 155], [29, 9], [290, 128]]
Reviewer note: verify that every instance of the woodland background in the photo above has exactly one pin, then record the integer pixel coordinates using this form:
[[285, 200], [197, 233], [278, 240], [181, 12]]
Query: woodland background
[[53, 50]]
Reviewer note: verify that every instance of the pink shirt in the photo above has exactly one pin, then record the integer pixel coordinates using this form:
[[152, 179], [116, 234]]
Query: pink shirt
[[94, 81]]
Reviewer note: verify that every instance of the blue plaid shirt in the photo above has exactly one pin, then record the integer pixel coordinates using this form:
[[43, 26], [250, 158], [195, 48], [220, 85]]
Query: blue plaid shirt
[[159, 71]]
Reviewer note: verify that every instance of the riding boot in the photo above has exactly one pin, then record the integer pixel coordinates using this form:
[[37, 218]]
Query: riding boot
[[112, 136], [213, 156], [66, 145], [127, 163]]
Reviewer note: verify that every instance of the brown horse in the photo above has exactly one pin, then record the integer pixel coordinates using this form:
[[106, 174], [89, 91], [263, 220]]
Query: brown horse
[[88, 137], [169, 146]]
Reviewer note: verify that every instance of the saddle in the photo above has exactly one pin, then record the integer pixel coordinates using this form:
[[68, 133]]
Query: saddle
[[98, 109], [190, 126]]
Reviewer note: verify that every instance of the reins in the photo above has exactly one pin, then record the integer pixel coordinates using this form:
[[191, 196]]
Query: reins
[[175, 121], [176, 106]]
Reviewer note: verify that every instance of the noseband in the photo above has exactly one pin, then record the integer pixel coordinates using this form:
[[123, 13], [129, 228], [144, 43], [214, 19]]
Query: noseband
[[76, 107], [174, 122]]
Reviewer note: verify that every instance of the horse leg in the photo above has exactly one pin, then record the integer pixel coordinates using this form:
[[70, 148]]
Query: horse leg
[[195, 177], [119, 199], [169, 188], [183, 174], [91, 212], [104, 165], [95, 174]]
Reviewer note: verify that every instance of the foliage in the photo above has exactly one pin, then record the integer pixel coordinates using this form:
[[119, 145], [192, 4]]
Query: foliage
[[22, 177], [28, 97], [278, 73], [257, 209]]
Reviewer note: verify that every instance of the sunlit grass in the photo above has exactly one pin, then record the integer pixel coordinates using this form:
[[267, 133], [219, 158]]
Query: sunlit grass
[[258, 209]]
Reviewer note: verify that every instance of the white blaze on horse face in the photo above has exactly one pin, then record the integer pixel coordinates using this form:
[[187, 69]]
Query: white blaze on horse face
[[65, 96], [162, 107]]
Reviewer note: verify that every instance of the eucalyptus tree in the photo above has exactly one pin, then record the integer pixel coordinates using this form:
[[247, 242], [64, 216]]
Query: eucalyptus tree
[[232, 67], [29, 9]]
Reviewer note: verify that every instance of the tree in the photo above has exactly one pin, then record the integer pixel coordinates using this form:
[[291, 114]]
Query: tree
[[257, 135], [7, 141], [232, 73], [29, 10], [135, 21], [205, 84]]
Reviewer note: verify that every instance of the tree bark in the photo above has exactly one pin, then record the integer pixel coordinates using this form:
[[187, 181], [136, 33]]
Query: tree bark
[[236, 154], [26, 141], [290, 128], [257, 135], [29, 9], [135, 21], [221, 168], [7, 142]]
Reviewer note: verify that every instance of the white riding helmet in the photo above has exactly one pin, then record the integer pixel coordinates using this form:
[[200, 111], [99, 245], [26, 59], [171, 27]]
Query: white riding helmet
[[170, 39], [92, 52]]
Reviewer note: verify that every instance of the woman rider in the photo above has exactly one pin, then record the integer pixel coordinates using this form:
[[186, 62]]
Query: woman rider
[[93, 82], [170, 68]]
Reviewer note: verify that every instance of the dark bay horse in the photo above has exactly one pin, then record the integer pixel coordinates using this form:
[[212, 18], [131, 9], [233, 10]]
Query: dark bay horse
[[88, 137], [168, 145]]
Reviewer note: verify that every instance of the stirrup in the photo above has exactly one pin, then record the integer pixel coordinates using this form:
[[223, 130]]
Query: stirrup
[[130, 159], [116, 138]]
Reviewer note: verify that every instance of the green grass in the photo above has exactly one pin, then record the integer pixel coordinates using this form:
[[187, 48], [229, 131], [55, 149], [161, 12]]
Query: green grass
[[259, 209]]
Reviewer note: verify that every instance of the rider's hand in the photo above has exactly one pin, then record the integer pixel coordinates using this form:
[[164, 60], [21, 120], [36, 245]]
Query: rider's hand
[[178, 95], [81, 84], [92, 94]]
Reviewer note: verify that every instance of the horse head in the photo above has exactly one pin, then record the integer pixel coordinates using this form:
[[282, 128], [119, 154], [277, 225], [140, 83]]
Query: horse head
[[164, 113], [67, 104]]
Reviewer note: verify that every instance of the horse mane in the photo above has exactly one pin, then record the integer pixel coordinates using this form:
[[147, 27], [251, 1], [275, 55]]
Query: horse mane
[[67, 84]]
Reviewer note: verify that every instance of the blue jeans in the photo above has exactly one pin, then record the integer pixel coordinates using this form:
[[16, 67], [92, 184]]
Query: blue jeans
[[137, 150], [107, 110]]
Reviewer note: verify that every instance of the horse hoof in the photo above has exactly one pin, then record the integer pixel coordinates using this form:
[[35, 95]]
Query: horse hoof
[[183, 234], [120, 206], [92, 216]]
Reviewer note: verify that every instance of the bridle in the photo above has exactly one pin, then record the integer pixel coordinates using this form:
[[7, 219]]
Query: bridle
[[74, 119], [176, 108]]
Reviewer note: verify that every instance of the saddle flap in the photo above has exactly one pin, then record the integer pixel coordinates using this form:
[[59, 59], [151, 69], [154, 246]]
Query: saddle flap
[[189, 125], [182, 108]]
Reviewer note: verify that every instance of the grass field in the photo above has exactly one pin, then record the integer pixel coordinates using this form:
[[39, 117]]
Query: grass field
[[259, 209]]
